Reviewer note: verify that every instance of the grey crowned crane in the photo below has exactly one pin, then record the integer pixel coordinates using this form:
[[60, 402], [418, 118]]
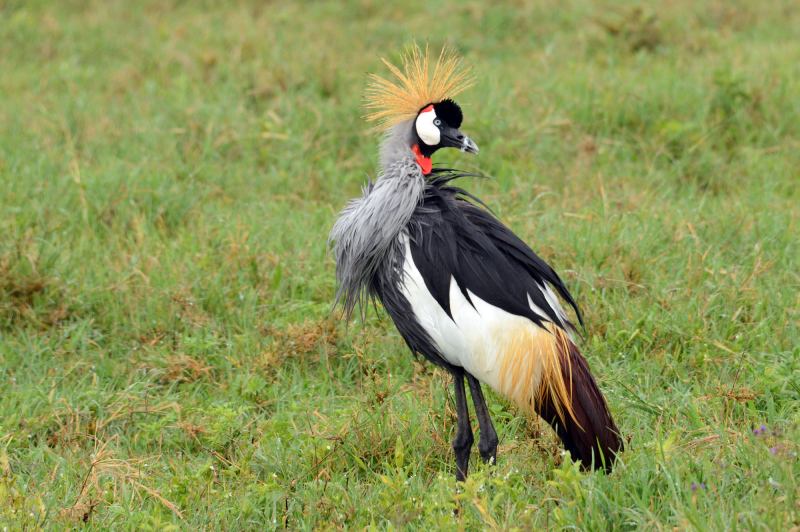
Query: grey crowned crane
[[462, 289]]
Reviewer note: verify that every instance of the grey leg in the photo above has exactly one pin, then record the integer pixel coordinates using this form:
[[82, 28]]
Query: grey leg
[[487, 444], [462, 444]]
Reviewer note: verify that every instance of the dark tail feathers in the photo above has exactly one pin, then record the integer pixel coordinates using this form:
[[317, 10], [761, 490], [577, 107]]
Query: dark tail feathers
[[594, 439]]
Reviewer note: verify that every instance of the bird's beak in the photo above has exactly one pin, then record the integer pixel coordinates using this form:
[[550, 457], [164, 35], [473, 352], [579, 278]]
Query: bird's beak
[[468, 145], [454, 138]]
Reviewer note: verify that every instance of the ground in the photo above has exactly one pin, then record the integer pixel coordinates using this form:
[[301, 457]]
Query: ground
[[170, 172]]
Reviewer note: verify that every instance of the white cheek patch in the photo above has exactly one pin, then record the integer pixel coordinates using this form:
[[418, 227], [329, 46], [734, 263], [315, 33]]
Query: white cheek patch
[[429, 133]]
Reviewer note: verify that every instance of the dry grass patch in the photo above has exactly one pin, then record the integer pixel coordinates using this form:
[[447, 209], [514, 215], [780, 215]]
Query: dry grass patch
[[105, 476], [181, 368]]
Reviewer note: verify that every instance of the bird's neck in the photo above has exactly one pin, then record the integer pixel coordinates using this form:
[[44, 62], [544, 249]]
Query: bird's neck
[[399, 146]]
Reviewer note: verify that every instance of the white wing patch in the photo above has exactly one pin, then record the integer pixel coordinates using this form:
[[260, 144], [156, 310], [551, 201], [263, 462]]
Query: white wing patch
[[537, 309], [552, 300], [431, 316]]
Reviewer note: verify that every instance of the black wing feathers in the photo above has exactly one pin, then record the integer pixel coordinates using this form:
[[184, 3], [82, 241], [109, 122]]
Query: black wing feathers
[[437, 244], [445, 245], [520, 254], [451, 237]]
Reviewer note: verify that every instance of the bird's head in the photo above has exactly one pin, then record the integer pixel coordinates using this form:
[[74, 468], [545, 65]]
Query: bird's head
[[423, 102], [436, 126]]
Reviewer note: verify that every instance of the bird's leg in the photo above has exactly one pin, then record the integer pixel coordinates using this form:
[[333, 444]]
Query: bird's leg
[[462, 444], [487, 444]]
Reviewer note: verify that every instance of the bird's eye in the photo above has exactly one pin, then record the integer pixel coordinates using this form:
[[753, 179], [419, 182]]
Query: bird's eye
[[437, 122]]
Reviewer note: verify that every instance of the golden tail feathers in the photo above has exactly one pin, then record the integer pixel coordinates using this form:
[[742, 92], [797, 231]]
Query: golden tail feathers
[[544, 371]]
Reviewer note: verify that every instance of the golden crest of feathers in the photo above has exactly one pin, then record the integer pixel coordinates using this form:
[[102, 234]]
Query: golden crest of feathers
[[393, 103]]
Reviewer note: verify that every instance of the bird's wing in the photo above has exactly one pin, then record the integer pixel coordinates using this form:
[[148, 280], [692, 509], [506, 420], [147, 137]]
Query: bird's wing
[[451, 238]]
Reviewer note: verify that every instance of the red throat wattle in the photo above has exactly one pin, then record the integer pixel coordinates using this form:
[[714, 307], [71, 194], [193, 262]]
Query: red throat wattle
[[424, 163]]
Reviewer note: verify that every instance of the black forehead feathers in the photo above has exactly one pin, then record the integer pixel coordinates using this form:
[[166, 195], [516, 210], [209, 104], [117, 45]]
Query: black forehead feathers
[[450, 112]]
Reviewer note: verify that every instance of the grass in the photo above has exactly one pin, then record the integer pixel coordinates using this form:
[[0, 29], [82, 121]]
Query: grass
[[170, 171]]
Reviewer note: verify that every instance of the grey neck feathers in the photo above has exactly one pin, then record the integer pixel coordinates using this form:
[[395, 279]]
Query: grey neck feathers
[[396, 144], [364, 238]]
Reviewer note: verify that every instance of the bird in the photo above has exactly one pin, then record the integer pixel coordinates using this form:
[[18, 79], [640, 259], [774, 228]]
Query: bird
[[462, 289]]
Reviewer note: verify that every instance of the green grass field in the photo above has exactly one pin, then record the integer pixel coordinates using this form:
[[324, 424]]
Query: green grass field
[[170, 172]]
